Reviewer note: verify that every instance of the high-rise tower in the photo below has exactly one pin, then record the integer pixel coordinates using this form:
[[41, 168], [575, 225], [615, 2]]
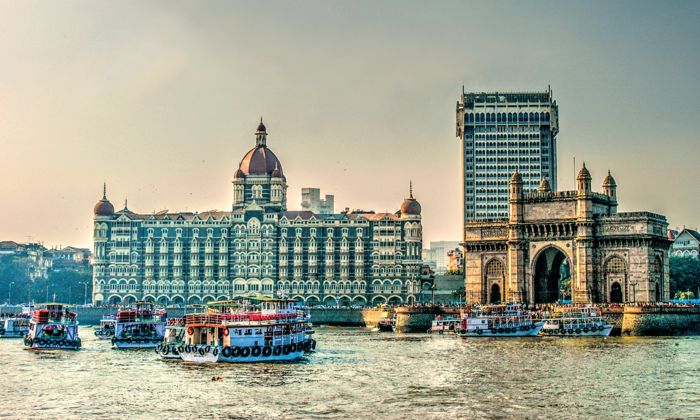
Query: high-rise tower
[[502, 132]]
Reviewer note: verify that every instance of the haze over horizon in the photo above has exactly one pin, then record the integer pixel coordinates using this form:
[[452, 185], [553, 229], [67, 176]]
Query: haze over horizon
[[160, 100]]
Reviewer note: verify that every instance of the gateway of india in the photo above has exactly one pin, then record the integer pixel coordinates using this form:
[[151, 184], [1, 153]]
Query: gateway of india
[[574, 235]]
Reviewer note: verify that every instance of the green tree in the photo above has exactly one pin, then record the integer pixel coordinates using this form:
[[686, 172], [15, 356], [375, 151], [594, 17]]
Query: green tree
[[684, 275], [459, 294], [453, 272]]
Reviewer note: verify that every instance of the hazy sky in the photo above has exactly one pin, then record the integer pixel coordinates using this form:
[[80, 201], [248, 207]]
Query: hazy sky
[[161, 101]]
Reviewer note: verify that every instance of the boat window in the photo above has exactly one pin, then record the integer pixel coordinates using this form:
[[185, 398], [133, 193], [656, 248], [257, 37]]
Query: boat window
[[248, 332], [258, 331]]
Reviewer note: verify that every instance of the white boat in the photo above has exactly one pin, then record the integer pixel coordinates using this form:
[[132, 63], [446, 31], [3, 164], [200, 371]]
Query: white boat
[[174, 337], [106, 329], [442, 325], [576, 322], [53, 327], [509, 320], [139, 326], [247, 330], [16, 325]]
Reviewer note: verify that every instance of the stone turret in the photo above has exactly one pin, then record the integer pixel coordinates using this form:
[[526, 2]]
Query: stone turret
[[544, 186], [516, 197], [610, 189]]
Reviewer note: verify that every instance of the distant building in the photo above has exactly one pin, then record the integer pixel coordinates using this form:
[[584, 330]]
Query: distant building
[[45, 260], [686, 243], [430, 258], [259, 248], [438, 251], [311, 201], [502, 132], [455, 260]]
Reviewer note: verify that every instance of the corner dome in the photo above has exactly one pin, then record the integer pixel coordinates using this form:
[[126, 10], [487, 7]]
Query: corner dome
[[584, 174], [410, 206], [609, 181], [544, 186], [239, 174], [104, 207], [516, 178], [277, 173]]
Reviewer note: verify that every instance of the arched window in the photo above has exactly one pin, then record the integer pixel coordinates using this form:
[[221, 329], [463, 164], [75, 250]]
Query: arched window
[[615, 265], [495, 268]]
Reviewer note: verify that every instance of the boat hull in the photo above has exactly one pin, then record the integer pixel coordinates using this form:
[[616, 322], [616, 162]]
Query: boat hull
[[256, 354], [43, 344], [585, 332], [138, 343], [168, 351], [13, 334], [532, 331], [102, 335]]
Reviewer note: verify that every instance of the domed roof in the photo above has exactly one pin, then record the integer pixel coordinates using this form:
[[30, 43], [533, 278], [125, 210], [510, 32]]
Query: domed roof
[[104, 207], [410, 206], [261, 127], [239, 174], [516, 178], [277, 173], [260, 161], [609, 181], [583, 173], [544, 186]]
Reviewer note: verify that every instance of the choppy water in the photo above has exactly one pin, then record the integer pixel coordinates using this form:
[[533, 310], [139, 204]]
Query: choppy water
[[359, 374]]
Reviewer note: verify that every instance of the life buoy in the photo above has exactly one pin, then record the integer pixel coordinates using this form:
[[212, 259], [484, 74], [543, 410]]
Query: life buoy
[[277, 350], [245, 351], [236, 352], [190, 331], [225, 331], [286, 349], [182, 322], [256, 351], [171, 321], [226, 352], [267, 351]]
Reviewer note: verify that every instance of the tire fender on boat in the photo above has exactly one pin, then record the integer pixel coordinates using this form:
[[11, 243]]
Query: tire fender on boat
[[286, 349], [226, 352], [236, 352], [245, 351], [256, 351], [267, 351], [277, 350]]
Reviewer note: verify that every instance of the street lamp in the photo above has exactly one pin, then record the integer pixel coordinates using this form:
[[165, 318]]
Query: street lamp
[[85, 283], [9, 296], [47, 292], [634, 291]]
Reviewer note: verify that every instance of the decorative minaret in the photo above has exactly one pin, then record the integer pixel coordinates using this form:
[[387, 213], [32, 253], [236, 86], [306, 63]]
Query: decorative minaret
[[610, 189], [583, 279], [261, 135], [516, 247]]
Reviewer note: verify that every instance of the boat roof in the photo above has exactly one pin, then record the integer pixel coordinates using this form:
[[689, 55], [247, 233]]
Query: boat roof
[[54, 304], [237, 301]]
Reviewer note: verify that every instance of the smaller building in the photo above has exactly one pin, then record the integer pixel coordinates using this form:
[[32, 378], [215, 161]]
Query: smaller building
[[311, 201], [455, 261], [686, 243]]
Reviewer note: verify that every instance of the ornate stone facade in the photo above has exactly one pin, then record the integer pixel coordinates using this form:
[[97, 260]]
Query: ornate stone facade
[[258, 248], [610, 256]]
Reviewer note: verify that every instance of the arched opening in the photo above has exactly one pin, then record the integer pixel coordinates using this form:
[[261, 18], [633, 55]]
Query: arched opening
[[552, 279], [129, 299], [115, 300], [658, 292], [344, 301], [312, 301], [394, 301], [495, 294], [495, 276], [616, 272], [178, 300], [616, 293]]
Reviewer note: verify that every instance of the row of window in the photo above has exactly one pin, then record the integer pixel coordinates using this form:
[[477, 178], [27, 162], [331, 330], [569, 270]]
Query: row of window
[[510, 117]]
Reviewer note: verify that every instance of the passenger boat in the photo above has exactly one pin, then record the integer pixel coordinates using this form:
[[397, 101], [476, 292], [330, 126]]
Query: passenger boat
[[509, 320], [174, 337], [139, 326], [106, 329], [52, 327], [247, 330], [443, 325], [577, 321], [386, 324], [15, 325]]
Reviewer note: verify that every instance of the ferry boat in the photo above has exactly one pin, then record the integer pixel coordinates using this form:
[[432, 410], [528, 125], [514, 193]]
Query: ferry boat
[[174, 337], [577, 321], [509, 320], [106, 329], [15, 325], [247, 330], [443, 325], [52, 327], [139, 326], [386, 324]]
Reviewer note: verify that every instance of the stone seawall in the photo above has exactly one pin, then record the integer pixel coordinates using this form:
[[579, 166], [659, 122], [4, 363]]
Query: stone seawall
[[641, 322], [614, 316], [346, 317]]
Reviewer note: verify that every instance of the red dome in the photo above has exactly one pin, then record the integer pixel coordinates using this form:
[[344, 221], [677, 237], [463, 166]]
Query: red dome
[[410, 207], [260, 161], [104, 208]]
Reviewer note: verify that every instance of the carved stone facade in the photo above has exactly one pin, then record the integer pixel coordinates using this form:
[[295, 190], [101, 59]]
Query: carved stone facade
[[577, 235]]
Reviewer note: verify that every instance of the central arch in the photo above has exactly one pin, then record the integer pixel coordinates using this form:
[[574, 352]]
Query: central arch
[[551, 280]]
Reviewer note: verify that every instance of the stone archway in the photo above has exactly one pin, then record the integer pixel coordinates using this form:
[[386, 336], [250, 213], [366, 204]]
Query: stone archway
[[495, 296], [616, 293], [551, 280]]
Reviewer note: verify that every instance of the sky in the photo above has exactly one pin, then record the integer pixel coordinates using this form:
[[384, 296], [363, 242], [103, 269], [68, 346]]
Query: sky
[[160, 100]]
